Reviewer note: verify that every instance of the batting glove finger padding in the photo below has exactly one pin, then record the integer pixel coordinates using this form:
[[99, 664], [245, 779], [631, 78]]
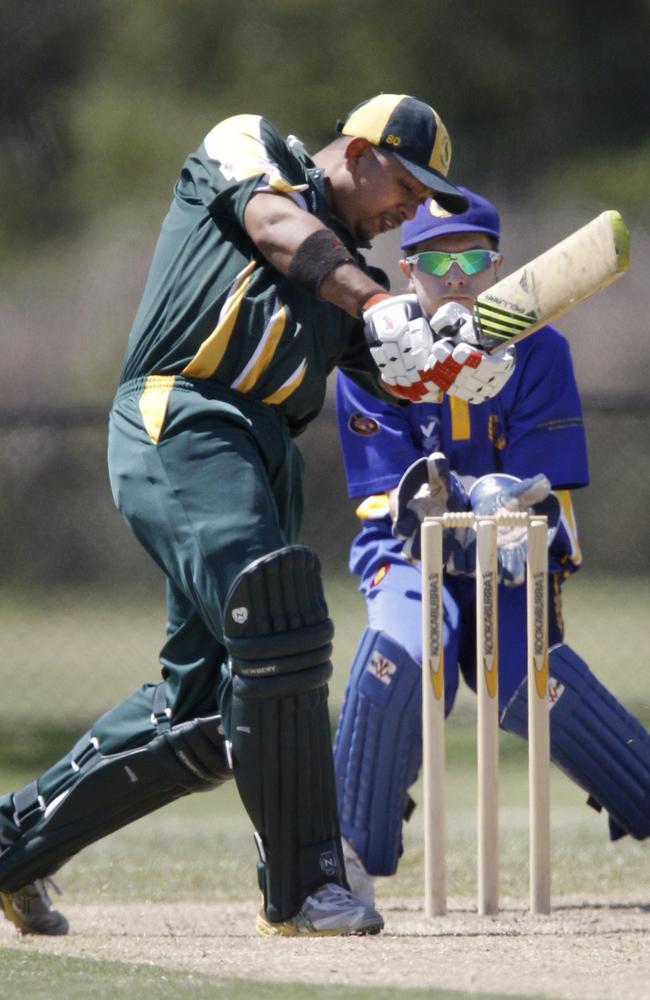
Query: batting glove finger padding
[[399, 343], [466, 372], [417, 392]]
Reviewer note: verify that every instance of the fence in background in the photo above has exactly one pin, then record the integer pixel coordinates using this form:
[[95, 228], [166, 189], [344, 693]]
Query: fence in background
[[82, 606]]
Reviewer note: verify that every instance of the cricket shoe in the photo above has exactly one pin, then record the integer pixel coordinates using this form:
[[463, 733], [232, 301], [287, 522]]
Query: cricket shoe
[[362, 885], [331, 910], [30, 909]]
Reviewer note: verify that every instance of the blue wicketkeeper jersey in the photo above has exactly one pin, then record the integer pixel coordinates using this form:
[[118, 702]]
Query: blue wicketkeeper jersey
[[533, 425]]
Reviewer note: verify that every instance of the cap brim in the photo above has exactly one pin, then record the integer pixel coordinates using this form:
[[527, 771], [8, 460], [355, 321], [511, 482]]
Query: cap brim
[[447, 196]]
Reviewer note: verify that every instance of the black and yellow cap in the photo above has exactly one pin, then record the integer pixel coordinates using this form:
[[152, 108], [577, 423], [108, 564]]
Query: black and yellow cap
[[415, 134]]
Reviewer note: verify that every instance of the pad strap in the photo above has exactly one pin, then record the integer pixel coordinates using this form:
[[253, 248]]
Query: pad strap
[[28, 806]]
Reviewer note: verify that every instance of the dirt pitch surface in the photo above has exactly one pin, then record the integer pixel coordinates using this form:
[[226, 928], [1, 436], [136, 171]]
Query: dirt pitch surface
[[597, 949]]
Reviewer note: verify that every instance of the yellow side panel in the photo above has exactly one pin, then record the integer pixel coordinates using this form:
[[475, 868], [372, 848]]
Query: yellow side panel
[[153, 403]]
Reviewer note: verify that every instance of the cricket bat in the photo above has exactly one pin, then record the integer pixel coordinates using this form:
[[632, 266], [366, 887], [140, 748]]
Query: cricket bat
[[551, 284]]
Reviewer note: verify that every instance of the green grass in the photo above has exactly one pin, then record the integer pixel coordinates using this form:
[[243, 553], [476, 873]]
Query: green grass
[[208, 847], [40, 977], [68, 658], [203, 852], [208, 852], [92, 649]]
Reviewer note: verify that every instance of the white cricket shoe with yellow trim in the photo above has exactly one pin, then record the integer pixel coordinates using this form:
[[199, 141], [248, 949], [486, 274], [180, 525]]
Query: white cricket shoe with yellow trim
[[331, 910], [30, 909]]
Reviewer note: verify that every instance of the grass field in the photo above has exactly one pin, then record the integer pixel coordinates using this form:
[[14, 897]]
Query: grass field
[[75, 979], [199, 850], [93, 649]]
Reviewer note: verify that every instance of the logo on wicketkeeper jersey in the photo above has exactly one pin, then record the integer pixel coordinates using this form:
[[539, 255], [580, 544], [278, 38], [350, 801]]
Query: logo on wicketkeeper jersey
[[361, 423], [240, 615], [381, 668]]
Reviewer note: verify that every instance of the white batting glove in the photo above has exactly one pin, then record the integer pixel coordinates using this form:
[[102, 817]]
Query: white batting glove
[[453, 322], [459, 368], [400, 342]]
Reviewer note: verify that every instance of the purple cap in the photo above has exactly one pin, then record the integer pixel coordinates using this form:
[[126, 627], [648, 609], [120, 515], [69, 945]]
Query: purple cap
[[432, 220]]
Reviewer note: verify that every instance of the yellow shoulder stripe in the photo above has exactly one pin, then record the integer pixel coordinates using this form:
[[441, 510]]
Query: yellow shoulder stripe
[[460, 419]]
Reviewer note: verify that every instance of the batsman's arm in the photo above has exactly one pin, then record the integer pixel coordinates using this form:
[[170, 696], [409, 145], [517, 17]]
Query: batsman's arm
[[297, 244]]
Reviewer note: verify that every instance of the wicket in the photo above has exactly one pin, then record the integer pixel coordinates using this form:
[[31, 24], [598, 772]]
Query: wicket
[[487, 661]]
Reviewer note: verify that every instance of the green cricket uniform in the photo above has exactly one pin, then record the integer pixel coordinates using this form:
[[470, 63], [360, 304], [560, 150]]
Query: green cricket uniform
[[227, 361], [224, 343], [214, 310]]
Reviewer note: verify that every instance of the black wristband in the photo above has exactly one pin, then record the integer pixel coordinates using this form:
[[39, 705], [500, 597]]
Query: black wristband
[[315, 258]]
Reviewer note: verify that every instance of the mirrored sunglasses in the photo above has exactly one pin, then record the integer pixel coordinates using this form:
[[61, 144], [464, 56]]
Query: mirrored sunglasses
[[438, 262]]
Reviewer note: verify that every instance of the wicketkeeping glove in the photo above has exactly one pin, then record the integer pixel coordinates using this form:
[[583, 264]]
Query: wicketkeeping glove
[[427, 489], [501, 492]]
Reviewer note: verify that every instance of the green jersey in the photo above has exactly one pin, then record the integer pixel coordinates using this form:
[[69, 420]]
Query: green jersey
[[214, 309]]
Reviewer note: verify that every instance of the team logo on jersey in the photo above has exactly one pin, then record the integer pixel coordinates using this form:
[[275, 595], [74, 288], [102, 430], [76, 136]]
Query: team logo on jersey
[[240, 615], [438, 211], [431, 435], [361, 423], [379, 575], [381, 668], [494, 434]]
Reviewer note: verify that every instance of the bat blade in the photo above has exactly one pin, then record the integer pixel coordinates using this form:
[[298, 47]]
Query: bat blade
[[551, 284]]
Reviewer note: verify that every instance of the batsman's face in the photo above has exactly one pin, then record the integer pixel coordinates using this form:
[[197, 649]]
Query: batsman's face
[[376, 193], [455, 286]]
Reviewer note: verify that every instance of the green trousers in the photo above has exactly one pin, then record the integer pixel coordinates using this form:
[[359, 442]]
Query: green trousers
[[207, 483]]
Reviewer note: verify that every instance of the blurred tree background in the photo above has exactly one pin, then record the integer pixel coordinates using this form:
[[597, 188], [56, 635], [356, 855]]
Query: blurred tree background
[[100, 101]]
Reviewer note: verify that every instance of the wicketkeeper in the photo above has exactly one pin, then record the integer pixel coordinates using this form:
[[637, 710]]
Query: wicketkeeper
[[522, 449]]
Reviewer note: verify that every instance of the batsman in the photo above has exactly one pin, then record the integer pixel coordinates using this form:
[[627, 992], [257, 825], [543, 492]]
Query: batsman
[[523, 449], [257, 290]]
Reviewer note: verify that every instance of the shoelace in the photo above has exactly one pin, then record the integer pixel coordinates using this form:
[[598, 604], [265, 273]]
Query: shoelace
[[50, 881], [336, 895], [41, 887]]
